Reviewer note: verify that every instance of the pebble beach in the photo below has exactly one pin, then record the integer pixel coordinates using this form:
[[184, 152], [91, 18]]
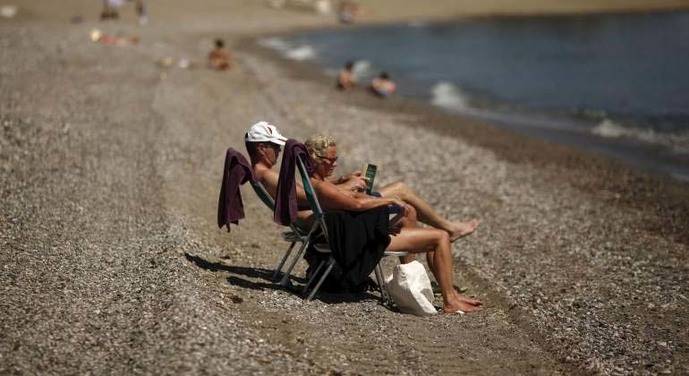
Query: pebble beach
[[112, 262]]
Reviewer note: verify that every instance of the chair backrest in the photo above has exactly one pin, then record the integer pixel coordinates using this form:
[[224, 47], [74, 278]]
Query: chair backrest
[[308, 189], [268, 200], [318, 217], [263, 194]]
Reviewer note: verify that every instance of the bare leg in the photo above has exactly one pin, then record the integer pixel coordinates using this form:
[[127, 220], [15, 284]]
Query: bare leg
[[429, 260], [426, 239], [425, 212], [409, 221]]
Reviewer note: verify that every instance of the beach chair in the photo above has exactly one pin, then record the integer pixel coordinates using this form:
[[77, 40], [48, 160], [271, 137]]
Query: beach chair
[[319, 224], [294, 235]]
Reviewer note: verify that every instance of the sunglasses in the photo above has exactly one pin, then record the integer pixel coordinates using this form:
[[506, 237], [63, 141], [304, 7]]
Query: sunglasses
[[273, 146], [331, 160]]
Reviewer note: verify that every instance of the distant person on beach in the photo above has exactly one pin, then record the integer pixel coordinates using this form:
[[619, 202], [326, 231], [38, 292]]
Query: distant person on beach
[[98, 36], [219, 58], [346, 79], [347, 11], [382, 85], [110, 10]]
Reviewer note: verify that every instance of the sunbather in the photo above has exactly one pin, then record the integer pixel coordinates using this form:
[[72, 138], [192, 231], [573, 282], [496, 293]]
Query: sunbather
[[355, 182], [411, 238], [346, 79], [382, 86], [220, 58]]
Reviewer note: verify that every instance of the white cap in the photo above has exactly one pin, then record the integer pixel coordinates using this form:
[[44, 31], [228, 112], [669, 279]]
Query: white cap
[[264, 132]]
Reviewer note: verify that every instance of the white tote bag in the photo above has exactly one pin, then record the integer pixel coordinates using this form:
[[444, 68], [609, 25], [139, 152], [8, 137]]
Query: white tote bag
[[411, 290]]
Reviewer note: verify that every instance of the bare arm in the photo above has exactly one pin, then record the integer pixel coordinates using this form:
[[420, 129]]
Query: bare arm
[[333, 198], [352, 182]]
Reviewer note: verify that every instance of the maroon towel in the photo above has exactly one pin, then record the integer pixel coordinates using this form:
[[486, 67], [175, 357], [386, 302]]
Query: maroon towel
[[286, 206], [237, 172]]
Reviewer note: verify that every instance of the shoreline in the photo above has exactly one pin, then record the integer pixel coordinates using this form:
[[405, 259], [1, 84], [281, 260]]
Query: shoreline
[[599, 175]]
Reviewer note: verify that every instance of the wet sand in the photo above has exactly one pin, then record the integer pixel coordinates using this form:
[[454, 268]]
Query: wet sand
[[112, 262]]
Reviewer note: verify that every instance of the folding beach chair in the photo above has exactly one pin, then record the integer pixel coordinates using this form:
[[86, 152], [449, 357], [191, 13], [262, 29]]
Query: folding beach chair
[[319, 223], [299, 234]]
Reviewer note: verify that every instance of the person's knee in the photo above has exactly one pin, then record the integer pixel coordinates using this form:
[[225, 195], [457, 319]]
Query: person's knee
[[410, 214], [397, 188], [442, 237]]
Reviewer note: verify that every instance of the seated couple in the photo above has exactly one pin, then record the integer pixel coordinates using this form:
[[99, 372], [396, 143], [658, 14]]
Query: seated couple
[[263, 143]]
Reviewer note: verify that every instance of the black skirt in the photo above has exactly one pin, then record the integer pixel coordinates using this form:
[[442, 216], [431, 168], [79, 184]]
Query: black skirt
[[358, 241]]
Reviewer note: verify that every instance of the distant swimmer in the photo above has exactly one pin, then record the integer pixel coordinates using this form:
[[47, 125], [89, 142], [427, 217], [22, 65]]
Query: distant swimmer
[[346, 79], [382, 85], [219, 58]]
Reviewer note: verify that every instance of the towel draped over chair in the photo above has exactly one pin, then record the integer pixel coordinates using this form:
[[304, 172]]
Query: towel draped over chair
[[236, 172]]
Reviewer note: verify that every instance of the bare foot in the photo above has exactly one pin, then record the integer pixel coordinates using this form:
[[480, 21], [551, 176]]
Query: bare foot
[[468, 300], [459, 307], [462, 229]]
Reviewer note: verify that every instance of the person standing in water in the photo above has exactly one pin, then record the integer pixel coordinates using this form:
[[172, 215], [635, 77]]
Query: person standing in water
[[346, 79]]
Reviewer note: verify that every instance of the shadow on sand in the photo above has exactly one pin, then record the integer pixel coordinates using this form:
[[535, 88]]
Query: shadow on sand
[[265, 281]]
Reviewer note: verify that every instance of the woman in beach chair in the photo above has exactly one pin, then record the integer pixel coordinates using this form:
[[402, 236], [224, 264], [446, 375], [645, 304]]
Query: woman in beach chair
[[411, 238], [354, 183]]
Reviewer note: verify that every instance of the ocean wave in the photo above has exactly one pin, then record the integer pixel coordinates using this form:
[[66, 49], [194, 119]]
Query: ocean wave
[[300, 53], [447, 95], [274, 43], [303, 52], [677, 142]]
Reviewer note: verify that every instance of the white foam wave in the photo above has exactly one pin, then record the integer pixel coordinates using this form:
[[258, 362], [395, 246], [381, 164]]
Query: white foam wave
[[304, 52], [677, 142], [362, 68], [274, 43], [447, 95]]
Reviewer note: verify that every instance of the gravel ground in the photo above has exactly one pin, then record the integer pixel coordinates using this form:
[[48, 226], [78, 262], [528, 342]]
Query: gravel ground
[[112, 263]]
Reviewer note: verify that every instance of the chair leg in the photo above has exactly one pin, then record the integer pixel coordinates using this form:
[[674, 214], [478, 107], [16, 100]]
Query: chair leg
[[380, 278], [331, 263], [282, 262], [285, 277], [313, 276]]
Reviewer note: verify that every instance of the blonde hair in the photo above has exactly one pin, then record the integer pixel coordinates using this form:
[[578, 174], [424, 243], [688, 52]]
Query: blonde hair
[[317, 144]]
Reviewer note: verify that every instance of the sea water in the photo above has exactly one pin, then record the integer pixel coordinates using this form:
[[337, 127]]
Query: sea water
[[615, 84]]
